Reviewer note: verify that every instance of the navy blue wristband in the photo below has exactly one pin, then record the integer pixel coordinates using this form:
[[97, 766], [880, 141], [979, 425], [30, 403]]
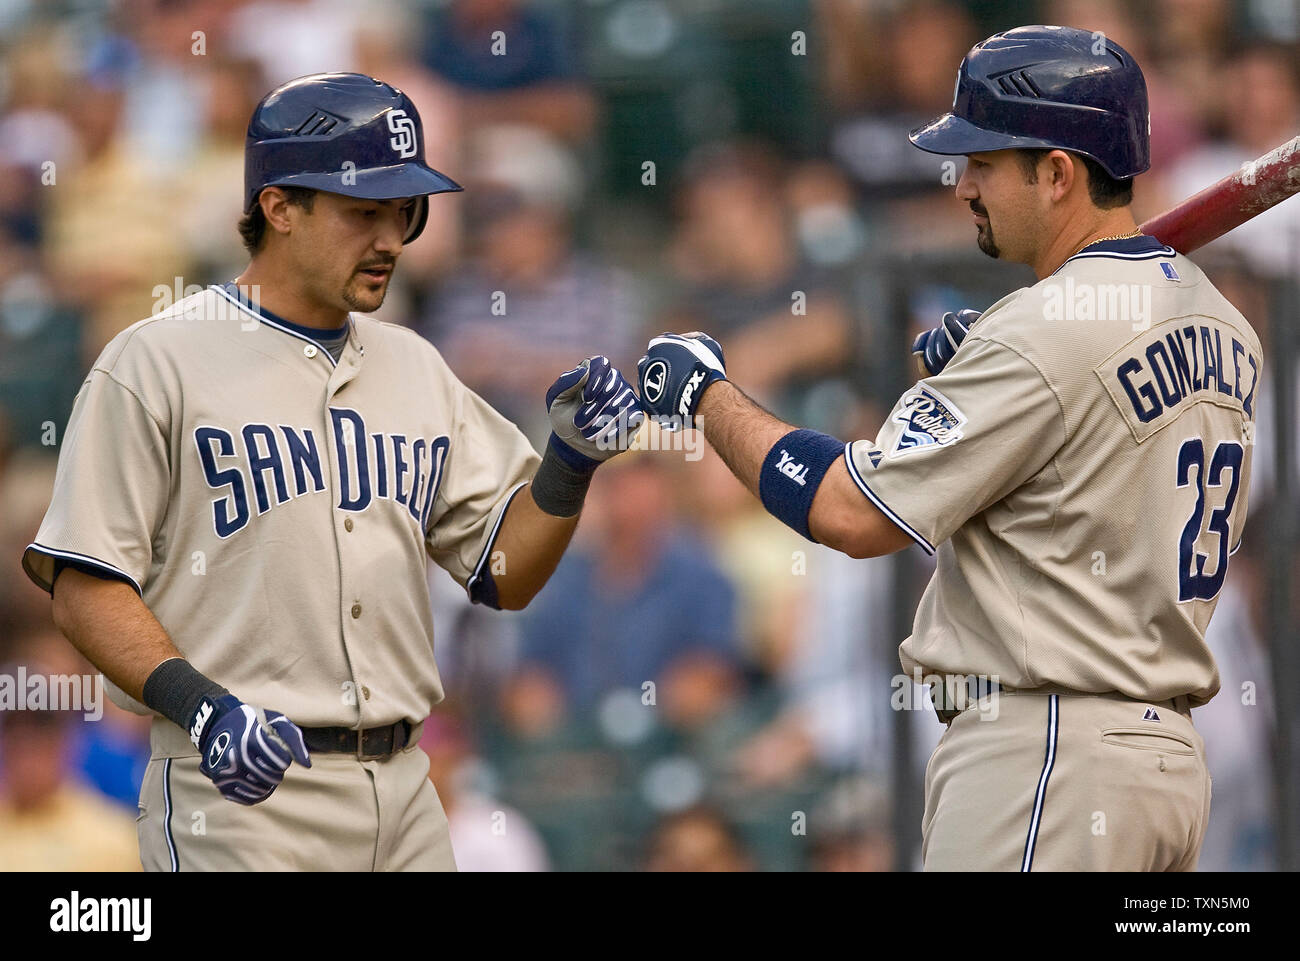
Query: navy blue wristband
[[560, 485], [792, 472]]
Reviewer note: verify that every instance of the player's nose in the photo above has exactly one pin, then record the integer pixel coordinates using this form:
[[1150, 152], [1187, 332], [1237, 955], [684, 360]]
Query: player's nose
[[966, 189], [392, 229]]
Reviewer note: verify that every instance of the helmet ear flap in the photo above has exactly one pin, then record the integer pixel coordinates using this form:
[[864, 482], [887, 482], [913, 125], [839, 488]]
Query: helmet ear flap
[[419, 217]]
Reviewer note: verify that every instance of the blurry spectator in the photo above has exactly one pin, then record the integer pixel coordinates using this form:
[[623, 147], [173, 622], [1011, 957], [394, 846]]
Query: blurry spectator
[[25, 488], [921, 48], [1191, 40], [6, 444], [850, 830], [638, 600], [112, 233], [486, 835], [112, 753], [476, 645], [1238, 724], [36, 139], [765, 561], [1264, 113], [107, 750], [511, 63], [696, 840], [1263, 303], [742, 274], [388, 46], [49, 821], [528, 303], [163, 93], [1177, 120], [41, 366], [823, 215], [292, 38], [209, 189], [773, 660], [852, 69], [839, 679]]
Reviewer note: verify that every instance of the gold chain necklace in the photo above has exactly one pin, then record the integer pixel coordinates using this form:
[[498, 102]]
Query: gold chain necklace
[[1128, 236]]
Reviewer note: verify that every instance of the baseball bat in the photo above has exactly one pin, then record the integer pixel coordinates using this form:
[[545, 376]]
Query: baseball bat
[[1211, 213]]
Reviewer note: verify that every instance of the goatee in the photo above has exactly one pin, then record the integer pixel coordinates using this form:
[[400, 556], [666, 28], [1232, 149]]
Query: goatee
[[986, 242]]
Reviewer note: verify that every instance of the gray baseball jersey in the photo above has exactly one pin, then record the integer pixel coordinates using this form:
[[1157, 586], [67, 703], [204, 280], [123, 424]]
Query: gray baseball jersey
[[1080, 469], [274, 507]]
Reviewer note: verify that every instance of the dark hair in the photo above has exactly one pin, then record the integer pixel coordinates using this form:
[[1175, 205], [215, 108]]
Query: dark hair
[[252, 226], [1104, 190]]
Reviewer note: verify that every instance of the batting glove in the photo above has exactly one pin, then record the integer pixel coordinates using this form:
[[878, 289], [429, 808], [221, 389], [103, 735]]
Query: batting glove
[[936, 346], [674, 374], [245, 751], [594, 413]]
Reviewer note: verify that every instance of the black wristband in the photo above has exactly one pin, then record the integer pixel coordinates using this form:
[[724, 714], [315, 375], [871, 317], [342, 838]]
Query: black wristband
[[175, 690], [558, 488]]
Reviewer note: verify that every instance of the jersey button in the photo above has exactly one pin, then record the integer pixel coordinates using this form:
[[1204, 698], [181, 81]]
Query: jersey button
[[356, 610], [309, 350], [347, 524], [365, 692]]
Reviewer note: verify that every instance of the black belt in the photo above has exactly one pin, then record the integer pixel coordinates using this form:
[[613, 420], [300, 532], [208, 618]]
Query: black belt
[[960, 692], [368, 745]]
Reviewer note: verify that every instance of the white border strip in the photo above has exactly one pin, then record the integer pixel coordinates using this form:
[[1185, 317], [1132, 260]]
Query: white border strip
[[696, 347], [1035, 821], [167, 815], [492, 539], [1165, 251], [270, 323], [884, 509], [85, 559]]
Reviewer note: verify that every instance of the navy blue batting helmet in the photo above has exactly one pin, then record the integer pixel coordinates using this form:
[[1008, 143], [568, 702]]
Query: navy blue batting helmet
[[1052, 87], [344, 133]]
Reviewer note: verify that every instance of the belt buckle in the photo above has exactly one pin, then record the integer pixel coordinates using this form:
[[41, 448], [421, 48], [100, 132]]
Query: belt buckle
[[387, 735], [364, 752]]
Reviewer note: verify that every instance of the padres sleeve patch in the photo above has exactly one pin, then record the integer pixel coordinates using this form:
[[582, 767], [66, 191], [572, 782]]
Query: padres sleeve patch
[[929, 420]]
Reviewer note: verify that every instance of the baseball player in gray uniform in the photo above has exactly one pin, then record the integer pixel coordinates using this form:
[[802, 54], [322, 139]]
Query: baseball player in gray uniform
[[1078, 468], [248, 490]]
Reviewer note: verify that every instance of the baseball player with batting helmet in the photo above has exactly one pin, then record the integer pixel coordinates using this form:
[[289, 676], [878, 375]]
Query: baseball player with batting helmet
[[250, 484], [1078, 462]]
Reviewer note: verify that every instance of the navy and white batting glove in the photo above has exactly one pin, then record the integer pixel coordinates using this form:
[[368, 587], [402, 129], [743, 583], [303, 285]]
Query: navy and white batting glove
[[675, 372], [245, 751], [936, 346], [594, 413]]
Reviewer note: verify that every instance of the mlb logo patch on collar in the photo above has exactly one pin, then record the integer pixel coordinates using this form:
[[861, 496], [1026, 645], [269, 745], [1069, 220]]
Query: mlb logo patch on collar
[[929, 420], [1167, 269], [1151, 715]]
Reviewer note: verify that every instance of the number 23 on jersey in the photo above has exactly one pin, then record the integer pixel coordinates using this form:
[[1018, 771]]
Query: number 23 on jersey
[[1219, 481]]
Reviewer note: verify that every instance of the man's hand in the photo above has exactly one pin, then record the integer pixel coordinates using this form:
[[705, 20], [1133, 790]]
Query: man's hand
[[936, 346], [245, 752], [594, 413], [675, 372]]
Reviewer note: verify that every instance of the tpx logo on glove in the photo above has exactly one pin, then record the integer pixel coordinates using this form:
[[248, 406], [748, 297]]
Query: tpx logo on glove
[[656, 376], [684, 406]]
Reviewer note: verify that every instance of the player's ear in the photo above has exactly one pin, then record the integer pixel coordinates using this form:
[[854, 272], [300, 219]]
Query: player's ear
[[275, 208], [1062, 172]]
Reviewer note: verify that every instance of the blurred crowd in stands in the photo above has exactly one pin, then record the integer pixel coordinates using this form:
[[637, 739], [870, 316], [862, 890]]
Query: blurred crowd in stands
[[697, 688]]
